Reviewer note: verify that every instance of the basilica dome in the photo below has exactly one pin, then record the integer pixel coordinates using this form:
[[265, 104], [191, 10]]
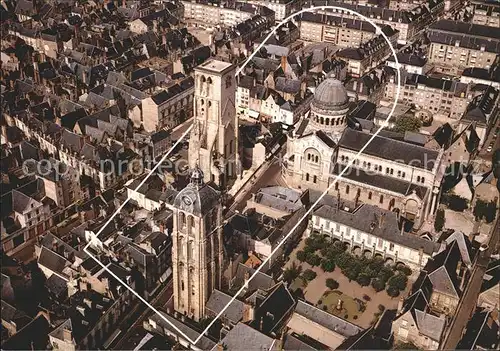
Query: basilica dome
[[330, 95]]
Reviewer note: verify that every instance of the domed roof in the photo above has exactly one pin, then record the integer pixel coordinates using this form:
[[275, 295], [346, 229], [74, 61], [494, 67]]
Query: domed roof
[[197, 197], [331, 95]]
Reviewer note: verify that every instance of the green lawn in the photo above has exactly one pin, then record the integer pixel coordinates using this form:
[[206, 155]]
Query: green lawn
[[350, 307]]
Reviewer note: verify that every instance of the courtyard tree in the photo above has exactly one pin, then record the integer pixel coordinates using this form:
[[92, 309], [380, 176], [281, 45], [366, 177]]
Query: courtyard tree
[[327, 265], [332, 284], [292, 273], [392, 291], [343, 260], [309, 274], [404, 269], [378, 285], [301, 256], [363, 279], [440, 220], [313, 259], [385, 274], [398, 281]]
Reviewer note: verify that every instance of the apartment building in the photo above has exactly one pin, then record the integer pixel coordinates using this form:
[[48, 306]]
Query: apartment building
[[169, 107], [408, 23], [439, 96], [282, 8], [458, 45], [368, 55], [228, 13], [341, 31], [486, 13]]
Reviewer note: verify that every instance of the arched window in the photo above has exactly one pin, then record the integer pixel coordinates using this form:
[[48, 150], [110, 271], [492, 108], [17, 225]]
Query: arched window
[[202, 101], [381, 199], [358, 193], [182, 220], [327, 121], [322, 120], [209, 80], [308, 157], [336, 186], [370, 195], [364, 164], [369, 165], [203, 79], [387, 170], [315, 179], [418, 179], [316, 159], [307, 177], [422, 180], [347, 189]]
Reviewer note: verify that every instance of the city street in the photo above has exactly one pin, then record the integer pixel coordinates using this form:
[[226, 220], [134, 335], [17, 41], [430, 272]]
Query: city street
[[468, 302], [132, 324]]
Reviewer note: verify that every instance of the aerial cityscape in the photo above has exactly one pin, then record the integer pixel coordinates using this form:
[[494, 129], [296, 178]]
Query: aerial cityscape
[[250, 175]]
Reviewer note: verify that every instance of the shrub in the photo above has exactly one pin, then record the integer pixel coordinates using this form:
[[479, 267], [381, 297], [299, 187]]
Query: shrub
[[355, 317], [325, 308], [378, 285], [385, 274], [485, 211], [309, 274], [346, 316], [320, 302], [301, 256], [332, 284], [366, 297], [363, 279], [455, 202], [381, 308]]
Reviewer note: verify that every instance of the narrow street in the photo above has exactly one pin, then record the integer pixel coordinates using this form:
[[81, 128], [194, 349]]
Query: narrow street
[[468, 302], [132, 324]]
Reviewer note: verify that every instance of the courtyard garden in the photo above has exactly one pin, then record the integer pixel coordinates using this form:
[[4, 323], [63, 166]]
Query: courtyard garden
[[355, 288], [319, 251]]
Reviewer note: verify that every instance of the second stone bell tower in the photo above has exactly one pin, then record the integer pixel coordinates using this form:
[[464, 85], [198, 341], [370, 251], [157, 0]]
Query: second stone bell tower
[[213, 144]]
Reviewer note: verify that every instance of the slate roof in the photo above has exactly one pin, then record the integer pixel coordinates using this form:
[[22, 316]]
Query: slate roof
[[243, 334], [380, 181], [260, 281], [441, 270], [481, 332], [366, 216], [290, 86], [53, 261], [389, 149], [274, 310], [34, 336], [326, 319], [429, 324], [218, 300], [56, 285]]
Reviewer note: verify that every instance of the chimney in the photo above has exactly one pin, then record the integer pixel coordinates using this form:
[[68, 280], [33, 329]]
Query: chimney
[[381, 220], [284, 62], [248, 313], [67, 335]]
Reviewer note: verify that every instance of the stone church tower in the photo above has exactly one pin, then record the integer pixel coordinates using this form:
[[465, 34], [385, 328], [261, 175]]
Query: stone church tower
[[197, 246], [213, 143]]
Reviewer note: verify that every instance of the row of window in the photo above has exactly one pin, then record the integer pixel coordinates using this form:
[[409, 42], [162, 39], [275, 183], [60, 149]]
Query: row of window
[[333, 121], [312, 158]]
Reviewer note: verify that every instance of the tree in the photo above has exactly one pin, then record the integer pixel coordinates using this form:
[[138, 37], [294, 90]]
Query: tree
[[440, 220], [327, 265], [292, 273], [385, 274], [313, 259], [485, 210], [378, 284], [309, 274], [405, 270], [343, 260], [301, 256], [363, 279], [398, 281], [455, 202], [332, 284], [392, 291], [407, 124]]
